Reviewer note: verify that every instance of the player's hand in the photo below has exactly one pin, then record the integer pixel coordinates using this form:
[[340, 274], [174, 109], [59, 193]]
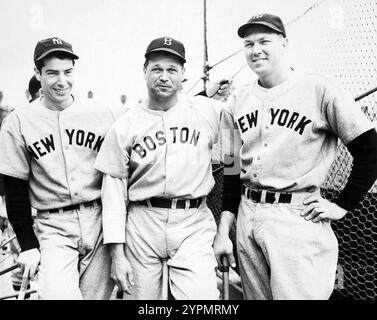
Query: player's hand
[[28, 261], [223, 246], [318, 209], [121, 271], [220, 90]]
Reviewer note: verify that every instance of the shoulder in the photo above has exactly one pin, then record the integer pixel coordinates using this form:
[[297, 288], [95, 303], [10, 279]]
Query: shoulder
[[318, 80], [16, 114], [202, 103]]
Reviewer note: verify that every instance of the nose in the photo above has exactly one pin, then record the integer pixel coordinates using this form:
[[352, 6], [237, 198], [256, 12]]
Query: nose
[[164, 76], [62, 80], [257, 50]]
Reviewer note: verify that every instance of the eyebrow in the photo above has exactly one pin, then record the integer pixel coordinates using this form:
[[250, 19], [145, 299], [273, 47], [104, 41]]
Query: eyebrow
[[55, 70], [169, 66]]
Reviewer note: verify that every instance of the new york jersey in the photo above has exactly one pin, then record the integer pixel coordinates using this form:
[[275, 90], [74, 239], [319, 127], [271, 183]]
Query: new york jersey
[[55, 151], [287, 136]]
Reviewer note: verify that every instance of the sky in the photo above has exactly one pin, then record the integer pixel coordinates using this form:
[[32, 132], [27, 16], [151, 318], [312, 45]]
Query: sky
[[111, 36]]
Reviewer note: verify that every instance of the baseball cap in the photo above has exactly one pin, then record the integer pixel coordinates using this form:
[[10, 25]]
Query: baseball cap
[[269, 20], [46, 46], [34, 85], [167, 44]]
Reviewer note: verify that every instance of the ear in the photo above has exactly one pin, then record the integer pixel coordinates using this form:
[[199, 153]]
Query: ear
[[285, 42], [37, 74], [145, 73]]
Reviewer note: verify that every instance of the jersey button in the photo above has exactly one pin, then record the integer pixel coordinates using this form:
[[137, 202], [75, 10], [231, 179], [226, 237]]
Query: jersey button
[[265, 144], [255, 175], [75, 194]]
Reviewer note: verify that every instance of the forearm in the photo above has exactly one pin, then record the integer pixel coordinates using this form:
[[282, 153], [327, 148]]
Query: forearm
[[113, 194], [364, 170], [225, 223], [19, 212], [231, 192]]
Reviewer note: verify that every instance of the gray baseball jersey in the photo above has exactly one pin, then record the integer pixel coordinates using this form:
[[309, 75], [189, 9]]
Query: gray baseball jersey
[[55, 151], [163, 154], [287, 141]]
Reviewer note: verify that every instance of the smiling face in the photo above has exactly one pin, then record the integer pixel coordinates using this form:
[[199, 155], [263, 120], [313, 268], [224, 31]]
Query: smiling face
[[163, 74], [56, 77], [264, 50]]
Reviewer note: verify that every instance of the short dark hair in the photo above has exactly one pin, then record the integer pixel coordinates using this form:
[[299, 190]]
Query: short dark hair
[[55, 54]]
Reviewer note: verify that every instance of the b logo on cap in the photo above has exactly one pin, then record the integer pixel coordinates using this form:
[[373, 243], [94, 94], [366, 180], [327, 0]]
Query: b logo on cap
[[168, 41], [57, 41]]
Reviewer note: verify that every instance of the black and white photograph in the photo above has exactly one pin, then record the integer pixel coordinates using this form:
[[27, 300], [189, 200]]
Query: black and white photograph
[[202, 152]]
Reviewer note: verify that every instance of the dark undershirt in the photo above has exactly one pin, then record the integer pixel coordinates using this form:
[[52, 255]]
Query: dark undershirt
[[19, 212]]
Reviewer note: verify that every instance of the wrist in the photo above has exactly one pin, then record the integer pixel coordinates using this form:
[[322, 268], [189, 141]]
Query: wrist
[[116, 250]]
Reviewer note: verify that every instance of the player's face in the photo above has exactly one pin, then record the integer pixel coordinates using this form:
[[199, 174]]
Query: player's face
[[163, 75], [56, 79], [263, 50]]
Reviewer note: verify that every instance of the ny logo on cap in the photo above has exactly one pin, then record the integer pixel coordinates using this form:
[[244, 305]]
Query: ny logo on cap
[[168, 41], [257, 16], [57, 41]]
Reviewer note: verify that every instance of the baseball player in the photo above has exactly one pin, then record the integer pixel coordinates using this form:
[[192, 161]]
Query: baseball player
[[161, 150], [282, 131], [47, 152]]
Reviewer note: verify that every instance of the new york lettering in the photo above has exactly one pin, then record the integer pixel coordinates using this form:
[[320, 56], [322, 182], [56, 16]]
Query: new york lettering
[[82, 138], [280, 117], [179, 135]]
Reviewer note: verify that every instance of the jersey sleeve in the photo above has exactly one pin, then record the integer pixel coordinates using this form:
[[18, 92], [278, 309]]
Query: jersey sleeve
[[114, 198], [113, 159], [14, 156], [230, 138], [343, 116]]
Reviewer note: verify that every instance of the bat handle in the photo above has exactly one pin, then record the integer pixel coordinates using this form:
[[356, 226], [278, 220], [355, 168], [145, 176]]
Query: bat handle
[[223, 82], [225, 271], [224, 263]]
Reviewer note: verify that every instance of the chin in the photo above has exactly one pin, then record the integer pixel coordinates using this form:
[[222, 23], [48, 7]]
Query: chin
[[164, 94]]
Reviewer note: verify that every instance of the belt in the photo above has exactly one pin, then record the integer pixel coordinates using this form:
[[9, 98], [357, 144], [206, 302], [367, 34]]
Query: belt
[[269, 197], [74, 206], [169, 203]]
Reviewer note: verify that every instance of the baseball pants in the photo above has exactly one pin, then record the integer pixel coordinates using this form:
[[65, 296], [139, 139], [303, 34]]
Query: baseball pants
[[74, 263], [282, 255], [182, 236]]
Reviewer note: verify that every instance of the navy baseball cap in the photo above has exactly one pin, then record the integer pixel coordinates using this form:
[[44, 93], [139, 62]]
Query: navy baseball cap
[[269, 20], [167, 44], [46, 46]]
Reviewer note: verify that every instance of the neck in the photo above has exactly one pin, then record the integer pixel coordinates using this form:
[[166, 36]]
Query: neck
[[57, 106], [157, 103], [275, 78]]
